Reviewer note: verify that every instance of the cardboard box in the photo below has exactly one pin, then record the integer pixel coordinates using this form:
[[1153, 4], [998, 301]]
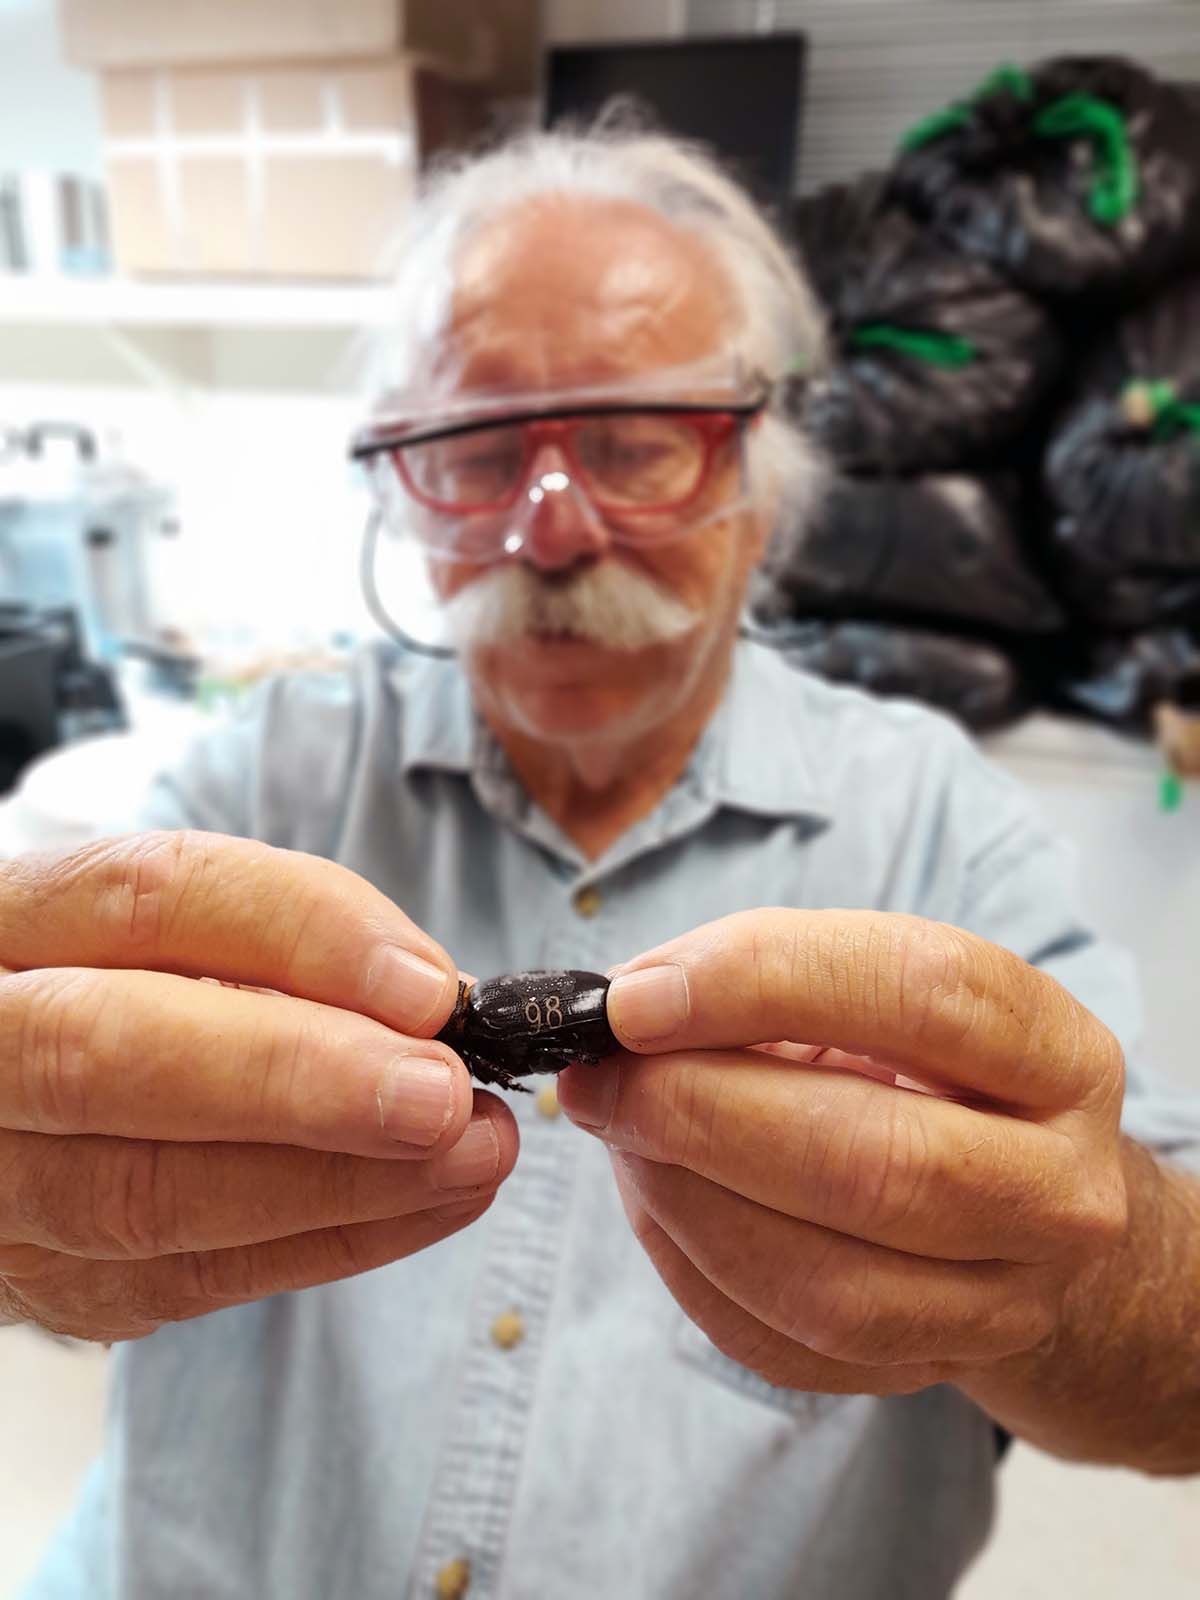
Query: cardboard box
[[497, 40], [279, 170]]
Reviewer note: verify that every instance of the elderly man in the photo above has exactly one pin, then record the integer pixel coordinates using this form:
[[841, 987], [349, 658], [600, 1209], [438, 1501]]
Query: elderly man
[[759, 1329]]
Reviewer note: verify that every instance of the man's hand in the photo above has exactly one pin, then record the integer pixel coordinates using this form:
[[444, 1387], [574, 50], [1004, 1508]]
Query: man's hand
[[168, 1146], [830, 1230]]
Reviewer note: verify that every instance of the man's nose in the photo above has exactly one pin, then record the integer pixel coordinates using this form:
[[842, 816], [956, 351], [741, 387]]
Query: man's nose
[[562, 528]]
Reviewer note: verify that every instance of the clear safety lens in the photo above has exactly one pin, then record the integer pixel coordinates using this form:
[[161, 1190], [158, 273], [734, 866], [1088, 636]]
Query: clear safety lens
[[634, 460], [491, 529], [640, 459], [464, 473]]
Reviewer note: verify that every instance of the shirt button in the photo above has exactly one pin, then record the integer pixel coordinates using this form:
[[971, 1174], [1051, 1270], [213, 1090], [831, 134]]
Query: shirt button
[[508, 1330], [453, 1580], [547, 1100], [587, 901]]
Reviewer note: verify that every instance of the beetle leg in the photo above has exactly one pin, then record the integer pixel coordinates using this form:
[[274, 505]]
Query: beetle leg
[[489, 1072]]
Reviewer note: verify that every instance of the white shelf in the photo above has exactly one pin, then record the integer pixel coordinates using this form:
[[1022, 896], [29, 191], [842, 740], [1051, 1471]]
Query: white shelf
[[122, 303]]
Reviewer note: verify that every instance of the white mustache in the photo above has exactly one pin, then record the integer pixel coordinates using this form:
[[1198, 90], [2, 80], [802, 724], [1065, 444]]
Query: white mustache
[[606, 603]]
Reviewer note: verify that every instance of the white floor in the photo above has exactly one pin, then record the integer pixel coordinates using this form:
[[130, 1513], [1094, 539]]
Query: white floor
[[1064, 1532], [51, 1408], [1068, 1532]]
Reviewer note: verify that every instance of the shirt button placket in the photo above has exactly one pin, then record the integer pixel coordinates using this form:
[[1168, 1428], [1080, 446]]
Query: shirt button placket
[[508, 1330], [453, 1580], [472, 1505], [547, 1101], [587, 900]]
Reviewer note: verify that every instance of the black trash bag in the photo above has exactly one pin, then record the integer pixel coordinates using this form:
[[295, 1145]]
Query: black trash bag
[[979, 684], [1126, 601], [937, 361], [1124, 679], [936, 548], [1122, 473], [1078, 177]]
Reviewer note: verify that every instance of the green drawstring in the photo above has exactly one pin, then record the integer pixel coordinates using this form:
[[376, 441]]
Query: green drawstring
[[1155, 403], [935, 125], [1114, 190], [938, 349], [1115, 186], [1005, 80], [1176, 419], [1170, 791]]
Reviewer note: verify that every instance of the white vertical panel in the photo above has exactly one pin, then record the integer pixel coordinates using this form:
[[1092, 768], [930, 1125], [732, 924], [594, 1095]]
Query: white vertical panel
[[877, 66]]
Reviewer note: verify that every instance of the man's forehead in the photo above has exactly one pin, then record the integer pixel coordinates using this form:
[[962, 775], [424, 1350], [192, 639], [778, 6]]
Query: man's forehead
[[564, 291]]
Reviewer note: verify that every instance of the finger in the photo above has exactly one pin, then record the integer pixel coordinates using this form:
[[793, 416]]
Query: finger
[[152, 1056], [839, 1296], [111, 1300], [749, 1342], [929, 999], [135, 1199], [826, 1056], [204, 905], [904, 1170]]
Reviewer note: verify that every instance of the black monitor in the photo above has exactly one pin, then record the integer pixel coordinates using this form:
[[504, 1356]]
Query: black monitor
[[742, 95], [28, 701]]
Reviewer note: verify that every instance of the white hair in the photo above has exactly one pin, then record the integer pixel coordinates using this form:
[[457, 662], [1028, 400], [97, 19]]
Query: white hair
[[781, 331], [610, 604]]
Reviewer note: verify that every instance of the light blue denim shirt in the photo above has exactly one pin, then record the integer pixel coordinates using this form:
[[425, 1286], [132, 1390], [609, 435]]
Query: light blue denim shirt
[[352, 1440]]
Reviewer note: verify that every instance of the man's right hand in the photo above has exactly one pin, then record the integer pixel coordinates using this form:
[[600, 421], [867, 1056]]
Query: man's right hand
[[169, 1147]]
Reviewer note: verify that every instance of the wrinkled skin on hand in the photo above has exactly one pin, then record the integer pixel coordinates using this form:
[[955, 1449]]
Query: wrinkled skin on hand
[[169, 1147], [823, 1221]]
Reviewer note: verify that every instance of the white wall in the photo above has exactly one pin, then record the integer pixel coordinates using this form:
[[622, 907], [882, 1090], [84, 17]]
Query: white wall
[[570, 21], [51, 115], [876, 66]]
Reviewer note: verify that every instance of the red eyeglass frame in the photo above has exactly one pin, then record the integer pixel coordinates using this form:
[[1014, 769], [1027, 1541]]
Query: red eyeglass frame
[[715, 425]]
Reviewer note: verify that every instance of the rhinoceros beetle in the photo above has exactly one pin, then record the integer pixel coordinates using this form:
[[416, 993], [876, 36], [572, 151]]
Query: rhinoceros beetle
[[528, 1022]]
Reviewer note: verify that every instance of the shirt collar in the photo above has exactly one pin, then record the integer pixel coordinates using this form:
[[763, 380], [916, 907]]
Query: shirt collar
[[759, 752], [439, 723]]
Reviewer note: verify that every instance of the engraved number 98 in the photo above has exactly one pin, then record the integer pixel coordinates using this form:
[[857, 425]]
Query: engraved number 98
[[552, 1017]]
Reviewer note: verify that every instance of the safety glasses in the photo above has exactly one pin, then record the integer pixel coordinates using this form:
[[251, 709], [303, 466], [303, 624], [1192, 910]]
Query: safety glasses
[[628, 459]]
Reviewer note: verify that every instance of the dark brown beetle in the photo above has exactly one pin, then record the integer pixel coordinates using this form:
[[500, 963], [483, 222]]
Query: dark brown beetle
[[527, 1022]]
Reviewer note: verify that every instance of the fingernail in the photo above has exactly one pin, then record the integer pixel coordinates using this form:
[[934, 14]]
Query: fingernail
[[409, 989], [588, 1094], [460, 1208], [649, 1005], [475, 1159], [416, 1100]]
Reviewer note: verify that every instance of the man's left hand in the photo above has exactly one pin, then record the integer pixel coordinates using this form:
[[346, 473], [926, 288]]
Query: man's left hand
[[823, 1221]]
